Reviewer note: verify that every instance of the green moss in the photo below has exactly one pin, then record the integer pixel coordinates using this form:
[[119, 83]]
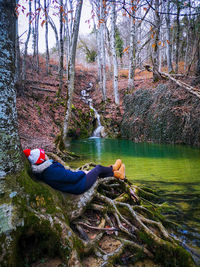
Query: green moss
[[36, 204], [171, 256], [38, 109], [2, 241], [145, 238], [148, 195], [77, 244], [38, 239], [84, 133], [92, 112]]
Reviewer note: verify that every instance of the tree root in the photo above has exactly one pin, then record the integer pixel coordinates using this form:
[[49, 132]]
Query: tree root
[[118, 210], [139, 229]]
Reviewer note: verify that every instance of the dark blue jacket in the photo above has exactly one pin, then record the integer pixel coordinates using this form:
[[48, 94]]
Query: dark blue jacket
[[64, 180]]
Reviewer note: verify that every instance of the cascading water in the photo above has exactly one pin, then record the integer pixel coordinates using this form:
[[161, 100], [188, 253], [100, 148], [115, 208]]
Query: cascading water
[[85, 96]]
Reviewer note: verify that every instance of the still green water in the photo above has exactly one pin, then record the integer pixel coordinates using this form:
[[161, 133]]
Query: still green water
[[173, 170]]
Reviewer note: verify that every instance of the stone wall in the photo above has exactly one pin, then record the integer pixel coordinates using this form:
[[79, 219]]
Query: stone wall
[[162, 115]]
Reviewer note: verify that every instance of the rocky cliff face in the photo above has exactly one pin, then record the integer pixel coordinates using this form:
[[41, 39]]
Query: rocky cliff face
[[162, 115]]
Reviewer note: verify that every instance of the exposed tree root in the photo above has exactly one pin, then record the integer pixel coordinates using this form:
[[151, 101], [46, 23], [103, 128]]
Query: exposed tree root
[[113, 223], [117, 204]]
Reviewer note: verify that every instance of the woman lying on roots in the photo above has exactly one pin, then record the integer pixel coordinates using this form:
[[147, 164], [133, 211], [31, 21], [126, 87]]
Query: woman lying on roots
[[76, 182], [115, 222]]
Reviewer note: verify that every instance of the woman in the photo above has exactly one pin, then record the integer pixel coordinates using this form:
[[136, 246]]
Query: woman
[[75, 182]]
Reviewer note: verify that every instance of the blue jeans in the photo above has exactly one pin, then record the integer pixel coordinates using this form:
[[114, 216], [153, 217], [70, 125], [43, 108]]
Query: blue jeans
[[98, 171]]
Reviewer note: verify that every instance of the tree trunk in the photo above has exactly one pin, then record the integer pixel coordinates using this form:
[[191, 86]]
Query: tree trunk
[[155, 45], [37, 35], [46, 3], [108, 46], [177, 34], [132, 50], [72, 70], [26, 46], [17, 61], [10, 155], [11, 159], [98, 39], [53, 26], [114, 54], [198, 60], [103, 52], [188, 38], [169, 43], [99, 60], [61, 54], [67, 36]]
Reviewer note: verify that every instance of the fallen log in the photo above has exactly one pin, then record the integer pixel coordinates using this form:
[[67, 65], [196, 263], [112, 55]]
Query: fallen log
[[41, 82], [42, 89], [189, 88], [165, 75]]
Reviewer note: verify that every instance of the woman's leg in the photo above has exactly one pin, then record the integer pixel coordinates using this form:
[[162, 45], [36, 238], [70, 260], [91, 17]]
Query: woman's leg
[[98, 171]]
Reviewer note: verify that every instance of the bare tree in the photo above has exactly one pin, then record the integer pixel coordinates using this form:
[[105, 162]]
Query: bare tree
[[114, 53], [17, 57], [46, 7], [26, 46], [102, 30], [178, 6], [36, 42], [155, 45], [95, 9], [169, 41], [61, 50], [71, 70], [132, 47]]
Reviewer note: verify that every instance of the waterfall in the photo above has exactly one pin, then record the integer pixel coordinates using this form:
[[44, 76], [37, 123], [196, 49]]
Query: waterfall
[[85, 96]]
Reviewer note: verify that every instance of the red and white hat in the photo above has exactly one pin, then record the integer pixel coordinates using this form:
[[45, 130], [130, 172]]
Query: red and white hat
[[35, 156]]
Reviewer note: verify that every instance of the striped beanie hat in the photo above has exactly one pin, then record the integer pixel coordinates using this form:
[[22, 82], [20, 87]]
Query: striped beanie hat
[[35, 156]]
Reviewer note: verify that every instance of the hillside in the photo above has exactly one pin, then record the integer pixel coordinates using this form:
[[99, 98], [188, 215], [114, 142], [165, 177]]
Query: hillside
[[41, 112]]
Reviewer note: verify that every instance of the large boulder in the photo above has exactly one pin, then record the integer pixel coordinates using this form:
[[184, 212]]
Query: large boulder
[[162, 115]]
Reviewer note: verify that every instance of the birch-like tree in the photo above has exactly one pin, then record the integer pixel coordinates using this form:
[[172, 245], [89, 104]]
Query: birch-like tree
[[156, 39], [26, 45], [71, 68], [132, 46], [102, 31], [99, 8], [46, 8], [114, 52], [168, 37], [36, 42], [68, 27], [178, 7], [17, 57], [95, 10], [61, 50]]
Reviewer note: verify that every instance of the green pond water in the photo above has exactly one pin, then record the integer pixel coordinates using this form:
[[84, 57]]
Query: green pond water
[[171, 169]]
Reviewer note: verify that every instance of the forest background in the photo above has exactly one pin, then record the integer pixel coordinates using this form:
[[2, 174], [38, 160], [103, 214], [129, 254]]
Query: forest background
[[127, 37], [120, 37]]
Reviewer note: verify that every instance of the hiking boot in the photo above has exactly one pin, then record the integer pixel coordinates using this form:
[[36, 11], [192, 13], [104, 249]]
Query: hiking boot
[[120, 174], [117, 165]]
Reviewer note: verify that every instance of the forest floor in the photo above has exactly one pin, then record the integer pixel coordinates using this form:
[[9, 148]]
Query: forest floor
[[41, 112]]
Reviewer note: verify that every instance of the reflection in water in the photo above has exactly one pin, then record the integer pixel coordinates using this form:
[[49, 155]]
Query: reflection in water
[[173, 170]]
